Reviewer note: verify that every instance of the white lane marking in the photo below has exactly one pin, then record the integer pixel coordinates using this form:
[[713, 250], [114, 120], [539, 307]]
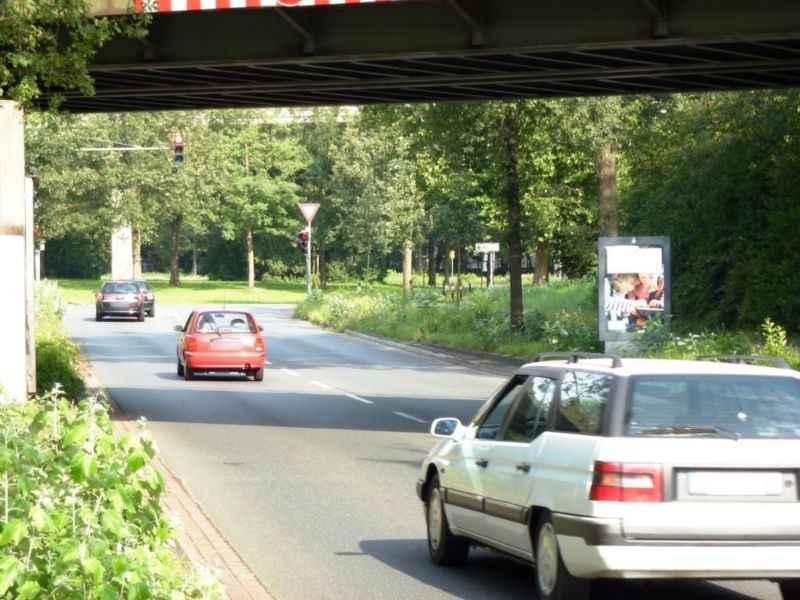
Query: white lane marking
[[289, 372], [266, 362], [324, 386], [364, 400], [405, 416]]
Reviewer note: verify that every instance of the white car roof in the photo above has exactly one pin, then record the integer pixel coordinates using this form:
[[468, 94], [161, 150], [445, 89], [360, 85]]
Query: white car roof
[[664, 366]]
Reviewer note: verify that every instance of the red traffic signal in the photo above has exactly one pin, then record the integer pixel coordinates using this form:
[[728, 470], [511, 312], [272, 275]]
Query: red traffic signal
[[302, 240], [177, 147]]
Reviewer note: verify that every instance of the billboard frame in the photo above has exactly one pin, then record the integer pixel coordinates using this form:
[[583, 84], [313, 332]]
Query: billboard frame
[[637, 244]]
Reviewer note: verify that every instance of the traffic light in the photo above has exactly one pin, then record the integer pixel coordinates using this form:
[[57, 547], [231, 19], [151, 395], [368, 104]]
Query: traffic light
[[302, 240], [177, 147]]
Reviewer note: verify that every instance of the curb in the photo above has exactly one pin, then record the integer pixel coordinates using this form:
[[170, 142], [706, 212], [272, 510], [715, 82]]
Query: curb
[[497, 364], [199, 539]]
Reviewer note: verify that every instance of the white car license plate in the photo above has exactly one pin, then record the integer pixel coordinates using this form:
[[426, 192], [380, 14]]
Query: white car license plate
[[724, 483]]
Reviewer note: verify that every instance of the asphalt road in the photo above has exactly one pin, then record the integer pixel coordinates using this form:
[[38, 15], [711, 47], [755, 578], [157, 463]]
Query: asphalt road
[[310, 474]]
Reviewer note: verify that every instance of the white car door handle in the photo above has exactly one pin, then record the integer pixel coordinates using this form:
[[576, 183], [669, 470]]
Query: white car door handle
[[482, 462], [524, 467]]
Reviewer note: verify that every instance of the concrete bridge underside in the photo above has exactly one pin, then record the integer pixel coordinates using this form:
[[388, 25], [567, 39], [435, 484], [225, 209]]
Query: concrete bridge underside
[[439, 50]]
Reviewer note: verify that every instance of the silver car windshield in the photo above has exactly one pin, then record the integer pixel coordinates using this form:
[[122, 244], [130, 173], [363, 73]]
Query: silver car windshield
[[714, 406]]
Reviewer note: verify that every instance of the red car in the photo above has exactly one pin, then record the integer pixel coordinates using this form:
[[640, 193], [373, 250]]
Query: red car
[[221, 340]]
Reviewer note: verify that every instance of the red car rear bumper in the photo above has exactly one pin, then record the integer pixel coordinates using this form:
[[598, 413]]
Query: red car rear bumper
[[213, 361]]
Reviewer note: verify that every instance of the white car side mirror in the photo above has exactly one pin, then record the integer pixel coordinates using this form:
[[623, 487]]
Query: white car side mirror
[[447, 427], [178, 328]]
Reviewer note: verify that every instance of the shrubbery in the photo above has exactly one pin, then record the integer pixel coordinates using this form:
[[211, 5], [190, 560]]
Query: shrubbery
[[561, 316], [57, 357], [479, 320], [80, 513], [80, 507]]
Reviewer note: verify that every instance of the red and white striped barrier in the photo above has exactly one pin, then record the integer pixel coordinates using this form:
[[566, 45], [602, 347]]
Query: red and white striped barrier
[[164, 6]]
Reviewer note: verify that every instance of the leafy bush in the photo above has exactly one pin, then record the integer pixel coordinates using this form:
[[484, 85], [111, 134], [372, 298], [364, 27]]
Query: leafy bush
[[339, 310], [336, 271], [277, 270], [49, 303], [774, 338], [427, 298], [372, 274], [80, 512], [568, 332], [57, 357], [535, 323]]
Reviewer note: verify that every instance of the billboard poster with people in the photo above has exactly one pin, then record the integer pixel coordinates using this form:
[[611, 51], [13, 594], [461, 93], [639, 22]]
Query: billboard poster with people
[[634, 285]]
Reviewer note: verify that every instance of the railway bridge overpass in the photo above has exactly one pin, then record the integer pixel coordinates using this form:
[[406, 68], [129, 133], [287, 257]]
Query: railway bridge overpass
[[247, 53]]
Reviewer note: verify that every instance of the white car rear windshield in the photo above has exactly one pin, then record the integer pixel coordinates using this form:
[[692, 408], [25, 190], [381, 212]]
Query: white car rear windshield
[[714, 406]]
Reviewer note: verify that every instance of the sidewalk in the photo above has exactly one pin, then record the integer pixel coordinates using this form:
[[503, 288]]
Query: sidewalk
[[198, 538]]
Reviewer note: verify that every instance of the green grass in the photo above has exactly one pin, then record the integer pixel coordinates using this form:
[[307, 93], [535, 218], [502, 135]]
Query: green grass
[[195, 291], [560, 315]]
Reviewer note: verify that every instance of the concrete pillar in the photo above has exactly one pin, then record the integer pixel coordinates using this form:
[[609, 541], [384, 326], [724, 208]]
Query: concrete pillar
[[13, 356], [122, 253], [30, 291]]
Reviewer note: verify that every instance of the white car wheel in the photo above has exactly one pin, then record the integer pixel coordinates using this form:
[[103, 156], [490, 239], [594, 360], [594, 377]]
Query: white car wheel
[[546, 559], [553, 581], [435, 513], [444, 547]]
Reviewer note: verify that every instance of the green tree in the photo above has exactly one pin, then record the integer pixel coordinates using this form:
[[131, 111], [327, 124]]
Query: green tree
[[259, 163], [728, 200], [48, 45], [321, 137]]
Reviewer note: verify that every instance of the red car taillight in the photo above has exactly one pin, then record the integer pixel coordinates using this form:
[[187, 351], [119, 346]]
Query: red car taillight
[[627, 482], [191, 344], [259, 344]]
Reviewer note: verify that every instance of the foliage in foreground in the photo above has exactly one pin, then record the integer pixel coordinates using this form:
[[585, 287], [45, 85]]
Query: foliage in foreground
[[57, 357], [80, 512], [558, 317]]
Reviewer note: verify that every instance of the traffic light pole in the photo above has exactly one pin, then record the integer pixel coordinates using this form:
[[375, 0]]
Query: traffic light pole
[[309, 209], [308, 263]]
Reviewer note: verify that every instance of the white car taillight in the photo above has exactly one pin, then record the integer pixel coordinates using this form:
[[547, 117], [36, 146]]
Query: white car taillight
[[627, 482]]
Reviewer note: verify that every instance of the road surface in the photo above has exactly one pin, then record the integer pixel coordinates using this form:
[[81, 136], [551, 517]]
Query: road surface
[[310, 474]]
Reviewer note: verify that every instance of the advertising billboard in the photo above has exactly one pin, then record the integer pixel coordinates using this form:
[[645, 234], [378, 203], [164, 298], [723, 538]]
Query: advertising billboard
[[634, 285]]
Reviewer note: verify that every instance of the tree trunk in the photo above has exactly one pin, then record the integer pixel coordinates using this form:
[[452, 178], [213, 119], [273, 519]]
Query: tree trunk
[[251, 270], [432, 264], [408, 255], [514, 205], [446, 262], [606, 166], [136, 247], [194, 258], [323, 268], [175, 238], [541, 271]]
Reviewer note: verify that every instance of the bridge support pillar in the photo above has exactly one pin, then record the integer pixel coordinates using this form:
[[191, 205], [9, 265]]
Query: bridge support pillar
[[14, 355]]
